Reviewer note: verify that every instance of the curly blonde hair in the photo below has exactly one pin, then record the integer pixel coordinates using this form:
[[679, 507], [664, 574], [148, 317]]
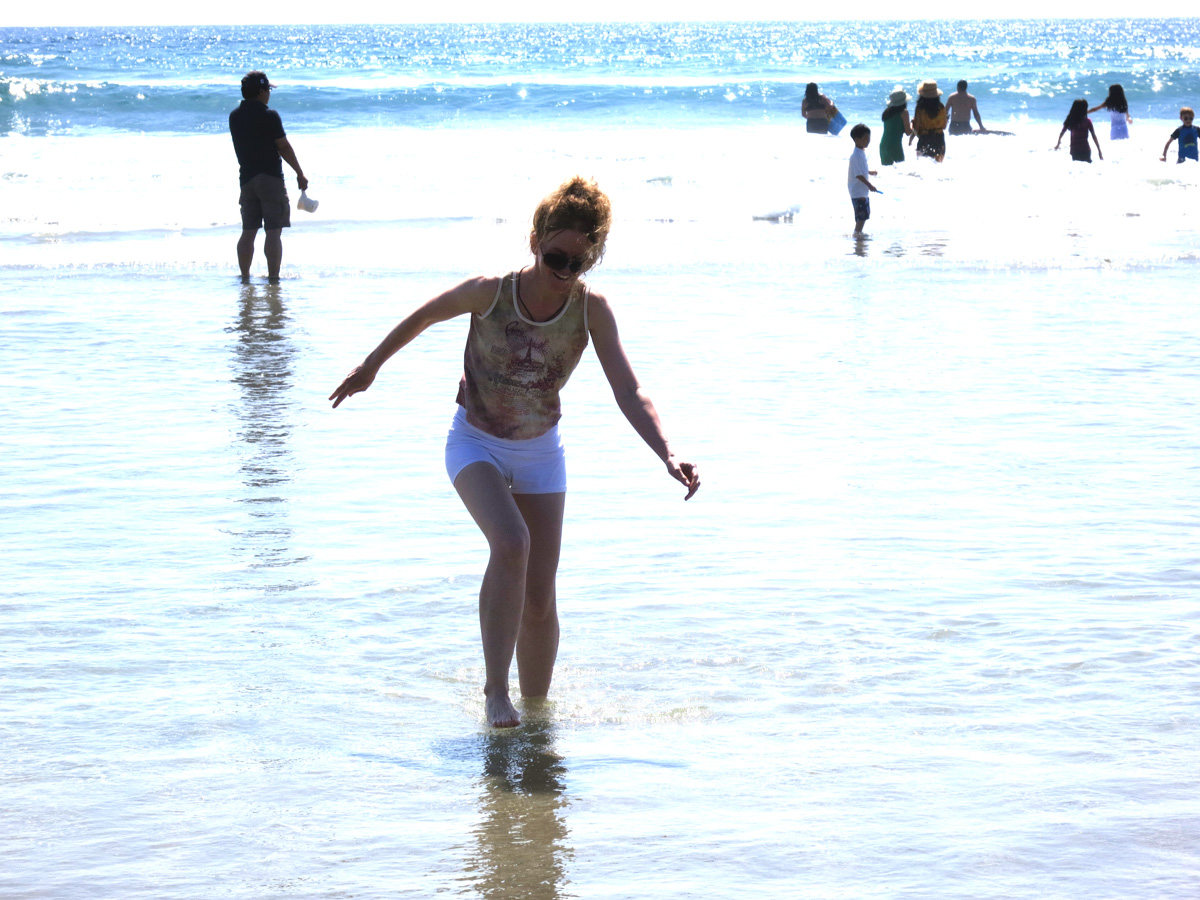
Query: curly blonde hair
[[577, 204]]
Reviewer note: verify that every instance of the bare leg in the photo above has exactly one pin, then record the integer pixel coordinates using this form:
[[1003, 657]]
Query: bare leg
[[485, 493], [273, 248], [537, 645], [245, 252]]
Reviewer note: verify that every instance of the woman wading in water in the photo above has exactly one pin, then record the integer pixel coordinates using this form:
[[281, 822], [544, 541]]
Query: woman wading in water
[[503, 453]]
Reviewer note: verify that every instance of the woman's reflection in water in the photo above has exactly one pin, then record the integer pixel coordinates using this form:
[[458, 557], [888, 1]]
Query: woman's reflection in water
[[262, 369], [521, 848]]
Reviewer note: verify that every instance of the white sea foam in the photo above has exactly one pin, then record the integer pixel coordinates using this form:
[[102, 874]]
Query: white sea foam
[[996, 201]]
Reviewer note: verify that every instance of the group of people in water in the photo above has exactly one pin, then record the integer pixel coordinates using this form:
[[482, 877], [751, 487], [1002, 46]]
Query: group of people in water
[[932, 119], [1081, 129], [1080, 126], [927, 126]]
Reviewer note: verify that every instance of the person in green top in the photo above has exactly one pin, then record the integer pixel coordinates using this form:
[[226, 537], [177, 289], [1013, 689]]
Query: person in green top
[[896, 125]]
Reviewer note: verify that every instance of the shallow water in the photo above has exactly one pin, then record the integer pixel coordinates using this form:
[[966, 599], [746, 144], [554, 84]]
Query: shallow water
[[929, 626]]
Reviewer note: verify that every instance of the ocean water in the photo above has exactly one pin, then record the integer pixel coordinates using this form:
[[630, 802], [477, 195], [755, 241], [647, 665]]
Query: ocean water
[[929, 629]]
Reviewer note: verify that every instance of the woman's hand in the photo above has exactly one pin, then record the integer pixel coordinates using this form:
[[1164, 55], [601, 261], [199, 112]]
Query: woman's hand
[[686, 473], [359, 379]]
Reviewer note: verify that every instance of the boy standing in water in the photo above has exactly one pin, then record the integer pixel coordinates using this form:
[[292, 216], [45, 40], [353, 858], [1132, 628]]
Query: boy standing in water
[[1188, 135], [856, 180]]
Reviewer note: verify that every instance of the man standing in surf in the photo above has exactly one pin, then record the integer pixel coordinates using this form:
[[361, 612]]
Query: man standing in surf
[[262, 147]]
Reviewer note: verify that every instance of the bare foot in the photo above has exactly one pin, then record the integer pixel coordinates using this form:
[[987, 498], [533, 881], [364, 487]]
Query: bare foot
[[500, 711]]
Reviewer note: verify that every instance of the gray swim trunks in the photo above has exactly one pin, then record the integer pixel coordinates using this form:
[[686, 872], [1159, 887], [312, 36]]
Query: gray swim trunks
[[264, 203]]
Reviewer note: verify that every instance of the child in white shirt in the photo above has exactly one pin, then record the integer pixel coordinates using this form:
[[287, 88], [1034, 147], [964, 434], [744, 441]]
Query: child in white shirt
[[860, 188]]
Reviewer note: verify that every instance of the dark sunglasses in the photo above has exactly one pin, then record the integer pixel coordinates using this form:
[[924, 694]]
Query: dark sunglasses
[[557, 260]]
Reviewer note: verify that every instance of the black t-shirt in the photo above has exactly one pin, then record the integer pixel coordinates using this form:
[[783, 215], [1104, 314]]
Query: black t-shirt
[[255, 129]]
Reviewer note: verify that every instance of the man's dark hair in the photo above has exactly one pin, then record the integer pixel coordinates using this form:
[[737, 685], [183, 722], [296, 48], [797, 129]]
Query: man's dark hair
[[253, 83], [962, 85]]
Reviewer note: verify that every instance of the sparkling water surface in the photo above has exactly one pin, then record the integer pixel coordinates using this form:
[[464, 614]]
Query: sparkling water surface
[[178, 79], [929, 629]]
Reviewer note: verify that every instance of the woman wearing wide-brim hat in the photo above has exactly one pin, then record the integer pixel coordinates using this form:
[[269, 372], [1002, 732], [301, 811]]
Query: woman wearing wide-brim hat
[[896, 125], [929, 121]]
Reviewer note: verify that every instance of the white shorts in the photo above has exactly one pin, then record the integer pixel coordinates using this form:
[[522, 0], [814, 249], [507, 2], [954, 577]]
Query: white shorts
[[535, 466]]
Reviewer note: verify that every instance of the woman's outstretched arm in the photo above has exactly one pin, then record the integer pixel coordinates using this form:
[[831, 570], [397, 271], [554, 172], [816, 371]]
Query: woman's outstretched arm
[[474, 295], [631, 400]]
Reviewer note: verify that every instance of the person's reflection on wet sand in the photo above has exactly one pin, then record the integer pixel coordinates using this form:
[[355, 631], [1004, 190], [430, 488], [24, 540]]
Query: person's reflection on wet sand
[[521, 850], [262, 369]]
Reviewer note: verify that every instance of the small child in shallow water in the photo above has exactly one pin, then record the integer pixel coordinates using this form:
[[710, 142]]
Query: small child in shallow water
[[1080, 126], [1188, 136]]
